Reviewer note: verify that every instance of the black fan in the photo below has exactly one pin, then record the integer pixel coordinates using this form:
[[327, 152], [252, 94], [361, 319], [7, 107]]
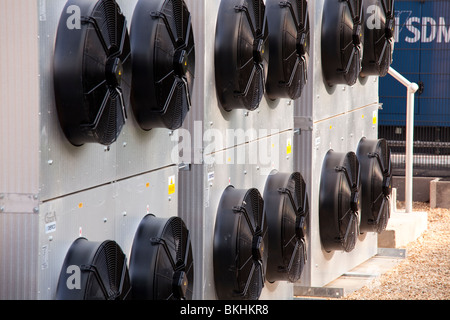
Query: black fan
[[378, 37], [162, 43], [376, 175], [240, 245], [241, 54], [342, 41], [339, 198], [94, 271], [289, 37], [161, 262], [287, 210], [92, 72]]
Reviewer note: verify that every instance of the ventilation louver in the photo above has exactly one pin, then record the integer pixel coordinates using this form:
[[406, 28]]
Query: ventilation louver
[[376, 175], [378, 37], [287, 210], [162, 43], [94, 271], [289, 38], [241, 54], [240, 245], [342, 41], [339, 198], [161, 262], [92, 72]]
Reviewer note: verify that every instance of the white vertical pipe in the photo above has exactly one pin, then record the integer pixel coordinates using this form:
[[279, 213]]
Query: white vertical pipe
[[412, 88]]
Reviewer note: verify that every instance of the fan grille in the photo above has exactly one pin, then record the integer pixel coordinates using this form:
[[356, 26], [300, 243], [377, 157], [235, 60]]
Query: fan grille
[[104, 273], [162, 94], [240, 245], [339, 201], [175, 236], [109, 263], [241, 54], [91, 74]]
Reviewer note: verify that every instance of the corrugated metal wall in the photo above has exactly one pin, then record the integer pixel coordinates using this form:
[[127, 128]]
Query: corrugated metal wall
[[19, 97], [19, 148]]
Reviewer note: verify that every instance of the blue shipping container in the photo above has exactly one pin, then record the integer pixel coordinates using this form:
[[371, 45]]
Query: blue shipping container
[[422, 55]]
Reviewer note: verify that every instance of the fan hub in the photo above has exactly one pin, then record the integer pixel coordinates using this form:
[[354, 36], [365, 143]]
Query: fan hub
[[258, 248], [258, 51], [301, 44], [180, 284], [357, 36], [354, 202], [114, 72], [387, 187], [300, 229], [390, 28], [181, 62]]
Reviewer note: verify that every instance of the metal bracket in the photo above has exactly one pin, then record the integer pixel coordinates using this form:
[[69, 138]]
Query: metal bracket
[[303, 123], [19, 203]]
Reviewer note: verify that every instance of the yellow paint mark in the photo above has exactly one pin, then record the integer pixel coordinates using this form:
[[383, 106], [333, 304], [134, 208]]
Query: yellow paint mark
[[289, 147], [172, 185]]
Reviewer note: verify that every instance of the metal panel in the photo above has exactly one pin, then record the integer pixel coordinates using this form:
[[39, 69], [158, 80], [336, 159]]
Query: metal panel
[[19, 96], [19, 151], [342, 134], [65, 169], [332, 101], [19, 254], [109, 212], [340, 116], [270, 114], [243, 175]]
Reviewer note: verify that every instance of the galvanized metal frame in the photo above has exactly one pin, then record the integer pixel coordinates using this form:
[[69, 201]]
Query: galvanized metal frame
[[106, 191]]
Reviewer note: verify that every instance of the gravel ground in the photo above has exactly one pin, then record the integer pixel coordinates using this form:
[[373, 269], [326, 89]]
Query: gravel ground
[[425, 273]]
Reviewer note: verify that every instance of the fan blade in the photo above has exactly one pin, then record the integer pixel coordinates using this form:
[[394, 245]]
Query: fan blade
[[186, 248], [102, 108], [163, 17], [264, 24], [248, 282], [304, 24], [244, 9], [294, 253], [187, 93], [292, 76], [188, 31], [349, 227], [250, 222], [384, 51], [249, 82], [168, 81], [380, 211], [122, 103], [101, 84], [123, 38], [261, 73], [99, 33]]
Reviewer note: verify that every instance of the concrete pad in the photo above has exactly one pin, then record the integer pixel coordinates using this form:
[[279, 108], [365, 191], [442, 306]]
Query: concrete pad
[[365, 274], [402, 229], [440, 193]]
